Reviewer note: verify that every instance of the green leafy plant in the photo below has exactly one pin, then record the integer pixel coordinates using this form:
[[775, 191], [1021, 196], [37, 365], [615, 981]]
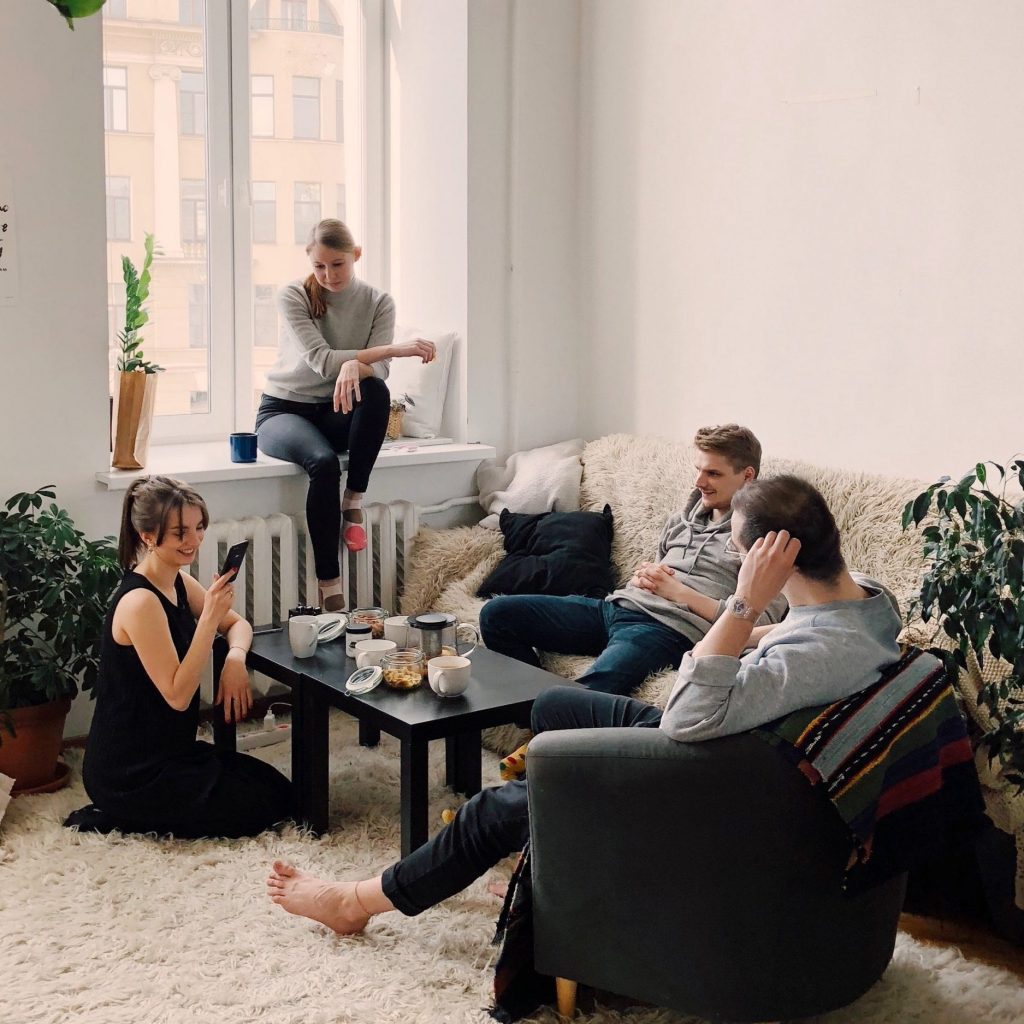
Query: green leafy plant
[[55, 586], [71, 9], [136, 292], [973, 590], [401, 403]]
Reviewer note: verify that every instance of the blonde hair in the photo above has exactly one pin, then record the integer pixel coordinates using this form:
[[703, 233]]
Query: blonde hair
[[147, 507], [333, 234], [735, 443]]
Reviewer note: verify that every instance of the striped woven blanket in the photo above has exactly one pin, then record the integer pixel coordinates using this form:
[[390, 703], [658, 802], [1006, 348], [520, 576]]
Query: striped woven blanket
[[895, 761]]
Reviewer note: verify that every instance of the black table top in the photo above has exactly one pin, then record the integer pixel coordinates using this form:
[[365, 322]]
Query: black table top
[[497, 683]]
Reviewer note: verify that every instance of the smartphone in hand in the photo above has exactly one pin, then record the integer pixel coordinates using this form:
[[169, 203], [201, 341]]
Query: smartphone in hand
[[235, 557]]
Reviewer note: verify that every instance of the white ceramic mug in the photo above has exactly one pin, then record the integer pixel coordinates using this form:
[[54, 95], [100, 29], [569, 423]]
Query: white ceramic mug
[[371, 652], [396, 628], [449, 675], [303, 633]]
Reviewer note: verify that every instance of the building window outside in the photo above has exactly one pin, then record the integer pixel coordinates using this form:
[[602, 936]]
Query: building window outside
[[263, 106], [294, 14], [264, 212], [192, 103], [342, 213], [191, 12], [339, 111], [193, 210], [307, 209], [116, 9], [119, 208], [115, 99], [198, 324], [305, 107], [264, 316]]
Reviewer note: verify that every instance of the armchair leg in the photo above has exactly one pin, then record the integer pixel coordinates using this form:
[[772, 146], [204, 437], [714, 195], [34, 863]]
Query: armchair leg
[[565, 995]]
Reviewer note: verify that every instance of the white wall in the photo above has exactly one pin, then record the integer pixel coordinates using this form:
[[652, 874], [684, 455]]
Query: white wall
[[807, 217]]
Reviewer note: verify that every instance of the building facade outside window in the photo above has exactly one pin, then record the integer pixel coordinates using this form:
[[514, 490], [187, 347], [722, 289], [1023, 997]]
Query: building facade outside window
[[264, 317], [191, 12], [193, 210], [264, 212], [119, 208], [198, 330], [306, 209], [305, 107], [115, 99], [192, 103], [263, 106], [295, 14]]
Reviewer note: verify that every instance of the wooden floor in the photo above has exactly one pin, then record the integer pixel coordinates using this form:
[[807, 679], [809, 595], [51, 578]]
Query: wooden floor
[[973, 940]]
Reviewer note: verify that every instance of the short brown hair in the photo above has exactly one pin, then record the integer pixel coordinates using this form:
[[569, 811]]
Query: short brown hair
[[791, 503], [736, 443]]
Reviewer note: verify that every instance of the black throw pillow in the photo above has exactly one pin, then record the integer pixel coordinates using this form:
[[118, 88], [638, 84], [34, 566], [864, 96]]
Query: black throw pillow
[[558, 553]]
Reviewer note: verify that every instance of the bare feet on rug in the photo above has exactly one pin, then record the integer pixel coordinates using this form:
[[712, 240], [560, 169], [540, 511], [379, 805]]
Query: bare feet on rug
[[334, 904]]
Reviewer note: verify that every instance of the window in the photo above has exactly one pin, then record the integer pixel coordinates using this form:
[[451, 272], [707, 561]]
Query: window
[[264, 316], [192, 103], [339, 111], [307, 210], [119, 208], [263, 106], [198, 332], [264, 212], [341, 214], [191, 12], [115, 99], [204, 137], [193, 210], [305, 107], [294, 14]]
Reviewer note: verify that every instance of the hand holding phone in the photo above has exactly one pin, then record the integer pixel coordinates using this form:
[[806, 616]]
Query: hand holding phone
[[235, 557]]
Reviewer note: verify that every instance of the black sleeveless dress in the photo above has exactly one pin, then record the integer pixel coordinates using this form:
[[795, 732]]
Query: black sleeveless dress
[[145, 770]]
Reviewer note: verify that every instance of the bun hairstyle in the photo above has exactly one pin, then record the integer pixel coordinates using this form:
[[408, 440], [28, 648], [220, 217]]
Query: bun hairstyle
[[148, 506], [791, 503], [334, 235]]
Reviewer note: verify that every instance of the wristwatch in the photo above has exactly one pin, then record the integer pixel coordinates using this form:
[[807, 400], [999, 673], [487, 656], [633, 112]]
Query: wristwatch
[[742, 608]]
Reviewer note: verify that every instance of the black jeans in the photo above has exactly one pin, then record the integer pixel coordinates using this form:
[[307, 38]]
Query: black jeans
[[496, 822], [311, 434]]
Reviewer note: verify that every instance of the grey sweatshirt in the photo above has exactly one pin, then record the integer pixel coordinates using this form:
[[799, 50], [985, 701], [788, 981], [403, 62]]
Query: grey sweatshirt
[[819, 654], [310, 352], [703, 557]]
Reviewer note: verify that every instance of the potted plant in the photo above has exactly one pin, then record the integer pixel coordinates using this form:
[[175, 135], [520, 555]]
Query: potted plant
[[398, 407], [135, 396], [972, 590], [55, 586]]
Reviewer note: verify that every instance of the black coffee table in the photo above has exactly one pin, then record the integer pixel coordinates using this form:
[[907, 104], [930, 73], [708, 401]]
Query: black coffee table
[[500, 691]]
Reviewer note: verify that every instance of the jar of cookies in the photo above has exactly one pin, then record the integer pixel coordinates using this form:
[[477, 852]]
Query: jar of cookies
[[373, 617], [403, 670]]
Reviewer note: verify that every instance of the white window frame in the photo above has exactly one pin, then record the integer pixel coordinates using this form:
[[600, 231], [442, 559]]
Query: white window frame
[[229, 212]]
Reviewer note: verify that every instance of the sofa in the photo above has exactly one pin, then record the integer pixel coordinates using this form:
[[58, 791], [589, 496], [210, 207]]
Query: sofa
[[644, 479]]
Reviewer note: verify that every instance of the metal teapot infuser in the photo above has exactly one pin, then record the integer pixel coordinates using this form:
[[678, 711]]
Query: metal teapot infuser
[[436, 633]]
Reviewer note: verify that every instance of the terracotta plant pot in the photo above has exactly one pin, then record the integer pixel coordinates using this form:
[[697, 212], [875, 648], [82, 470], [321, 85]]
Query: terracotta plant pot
[[30, 757]]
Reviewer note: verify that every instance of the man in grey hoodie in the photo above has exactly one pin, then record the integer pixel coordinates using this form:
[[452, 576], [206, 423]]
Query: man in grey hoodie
[[668, 605]]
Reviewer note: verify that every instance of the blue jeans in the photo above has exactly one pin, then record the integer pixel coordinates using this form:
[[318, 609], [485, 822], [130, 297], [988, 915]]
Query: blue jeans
[[311, 434], [629, 644], [496, 822]]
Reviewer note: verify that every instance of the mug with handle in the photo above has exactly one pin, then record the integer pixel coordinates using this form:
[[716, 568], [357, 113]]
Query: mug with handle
[[371, 652], [448, 675], [303, 634]]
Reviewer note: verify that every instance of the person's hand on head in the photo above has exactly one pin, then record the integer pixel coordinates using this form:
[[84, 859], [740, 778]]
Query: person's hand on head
[[426, 350], [346, 389], [770, 561]]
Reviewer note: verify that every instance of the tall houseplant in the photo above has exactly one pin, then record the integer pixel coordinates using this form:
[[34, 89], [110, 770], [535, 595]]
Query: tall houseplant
[[55, 586], [136, 390], [973, 591]]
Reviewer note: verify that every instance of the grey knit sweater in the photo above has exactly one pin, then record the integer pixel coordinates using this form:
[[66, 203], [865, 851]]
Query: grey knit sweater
[[310, 352]]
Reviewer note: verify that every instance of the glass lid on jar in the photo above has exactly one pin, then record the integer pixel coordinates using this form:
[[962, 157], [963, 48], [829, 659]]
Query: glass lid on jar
[[364, 680], [432, 620]]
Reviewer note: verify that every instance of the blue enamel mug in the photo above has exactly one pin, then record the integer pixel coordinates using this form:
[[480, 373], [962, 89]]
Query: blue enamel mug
[[243, 447]]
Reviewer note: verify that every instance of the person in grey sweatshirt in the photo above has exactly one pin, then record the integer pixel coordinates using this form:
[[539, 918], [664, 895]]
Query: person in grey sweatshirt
[[326, 392], [667, 606], [840, 634]]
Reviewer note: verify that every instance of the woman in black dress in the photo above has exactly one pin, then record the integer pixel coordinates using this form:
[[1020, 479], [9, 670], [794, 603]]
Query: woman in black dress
[[144, 769]]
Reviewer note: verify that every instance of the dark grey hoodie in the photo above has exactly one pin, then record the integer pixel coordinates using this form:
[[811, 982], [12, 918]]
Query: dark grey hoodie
[[703, 557]]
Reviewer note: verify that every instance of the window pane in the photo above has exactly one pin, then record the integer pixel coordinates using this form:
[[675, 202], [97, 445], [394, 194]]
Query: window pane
[[157, 183], [295, 183], [306, 108], [115, 9]]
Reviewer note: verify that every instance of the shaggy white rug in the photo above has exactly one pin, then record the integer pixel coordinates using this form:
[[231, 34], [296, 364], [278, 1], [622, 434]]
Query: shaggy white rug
[[115, 930]]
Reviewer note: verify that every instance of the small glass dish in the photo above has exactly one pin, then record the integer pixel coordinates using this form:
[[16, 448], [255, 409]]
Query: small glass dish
[[364, 680]]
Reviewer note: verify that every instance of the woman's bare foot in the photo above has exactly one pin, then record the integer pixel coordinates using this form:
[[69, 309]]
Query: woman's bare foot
[[334, 904]]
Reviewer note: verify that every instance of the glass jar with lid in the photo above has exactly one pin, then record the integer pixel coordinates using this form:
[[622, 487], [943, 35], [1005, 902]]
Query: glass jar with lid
[[403, 670], [373, 617]]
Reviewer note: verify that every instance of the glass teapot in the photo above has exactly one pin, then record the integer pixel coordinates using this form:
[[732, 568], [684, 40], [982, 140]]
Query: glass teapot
[[436, 633]]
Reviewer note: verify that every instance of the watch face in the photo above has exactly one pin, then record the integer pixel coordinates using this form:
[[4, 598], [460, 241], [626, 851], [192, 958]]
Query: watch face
[[740, 608]]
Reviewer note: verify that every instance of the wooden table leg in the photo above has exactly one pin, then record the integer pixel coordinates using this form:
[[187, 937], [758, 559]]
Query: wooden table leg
[[369, 734], [299, 751], [314, 778], [462, 763], [414, 794]]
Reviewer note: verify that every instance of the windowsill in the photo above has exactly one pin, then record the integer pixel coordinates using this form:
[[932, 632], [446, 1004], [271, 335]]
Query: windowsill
[[209, 462]]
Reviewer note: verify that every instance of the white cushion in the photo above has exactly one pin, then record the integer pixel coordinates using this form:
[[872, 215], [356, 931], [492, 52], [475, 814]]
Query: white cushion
[[425, 383]]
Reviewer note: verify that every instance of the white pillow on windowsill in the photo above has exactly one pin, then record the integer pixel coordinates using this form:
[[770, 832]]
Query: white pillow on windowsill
[[425, 383]]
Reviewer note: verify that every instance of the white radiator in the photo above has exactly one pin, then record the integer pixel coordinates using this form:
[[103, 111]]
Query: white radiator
[[278, 571]]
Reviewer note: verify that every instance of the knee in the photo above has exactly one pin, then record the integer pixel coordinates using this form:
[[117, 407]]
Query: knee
[[375, 393], [323, 466], [493, 616], [542, 711]]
